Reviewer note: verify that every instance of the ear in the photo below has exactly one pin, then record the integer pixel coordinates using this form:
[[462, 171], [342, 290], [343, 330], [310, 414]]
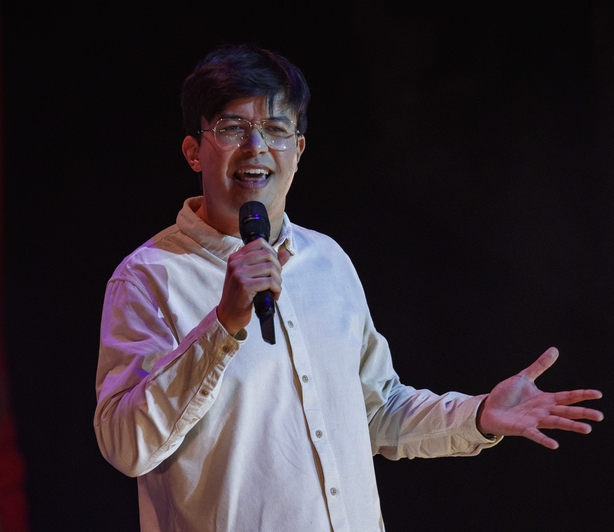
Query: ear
[[300, 147], [190, 149]]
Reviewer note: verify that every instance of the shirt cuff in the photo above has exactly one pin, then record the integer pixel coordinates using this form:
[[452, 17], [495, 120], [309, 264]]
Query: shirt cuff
[[240, 336], [480, 436]]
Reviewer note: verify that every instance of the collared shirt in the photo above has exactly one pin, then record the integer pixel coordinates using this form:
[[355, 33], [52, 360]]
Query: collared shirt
[[234, 434]]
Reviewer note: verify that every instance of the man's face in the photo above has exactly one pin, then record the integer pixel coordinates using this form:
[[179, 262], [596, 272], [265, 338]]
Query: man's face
[[250, 172]]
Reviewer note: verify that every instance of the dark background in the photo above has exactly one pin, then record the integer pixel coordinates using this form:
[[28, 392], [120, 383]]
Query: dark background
[[462, 156]]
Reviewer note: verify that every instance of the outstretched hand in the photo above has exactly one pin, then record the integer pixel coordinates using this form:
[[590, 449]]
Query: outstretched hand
[[516, 407]]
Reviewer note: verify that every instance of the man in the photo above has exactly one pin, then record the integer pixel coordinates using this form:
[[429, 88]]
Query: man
[[226, 432]]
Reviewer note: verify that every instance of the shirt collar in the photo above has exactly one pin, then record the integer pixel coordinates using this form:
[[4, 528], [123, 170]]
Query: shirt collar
[[219, 244]]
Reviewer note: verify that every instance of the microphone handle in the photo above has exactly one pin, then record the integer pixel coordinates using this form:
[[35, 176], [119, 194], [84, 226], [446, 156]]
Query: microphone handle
[[264, 305], [253, 224]]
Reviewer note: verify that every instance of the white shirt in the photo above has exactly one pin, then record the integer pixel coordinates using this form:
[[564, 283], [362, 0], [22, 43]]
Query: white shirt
[[243, 436]]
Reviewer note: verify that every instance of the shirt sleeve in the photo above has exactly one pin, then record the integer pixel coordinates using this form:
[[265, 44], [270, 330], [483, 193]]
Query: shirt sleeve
[[409, 423], [152, 389]]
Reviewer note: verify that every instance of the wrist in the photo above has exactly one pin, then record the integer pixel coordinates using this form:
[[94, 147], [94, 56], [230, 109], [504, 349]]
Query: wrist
[[478, 422], [229, 325]]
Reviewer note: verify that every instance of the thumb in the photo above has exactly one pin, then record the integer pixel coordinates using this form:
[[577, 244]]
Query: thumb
[[283, 255], [546, 360]]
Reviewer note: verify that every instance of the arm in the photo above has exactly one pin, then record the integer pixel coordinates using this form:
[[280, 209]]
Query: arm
[[152, 387], [409, 423], [516, 407]]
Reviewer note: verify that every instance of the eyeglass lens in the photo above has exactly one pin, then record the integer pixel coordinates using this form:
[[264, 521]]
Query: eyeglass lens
[[278, 134]]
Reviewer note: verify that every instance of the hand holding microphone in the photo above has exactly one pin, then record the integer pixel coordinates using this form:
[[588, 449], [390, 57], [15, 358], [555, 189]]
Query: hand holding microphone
[[253, 276], [253, 224]]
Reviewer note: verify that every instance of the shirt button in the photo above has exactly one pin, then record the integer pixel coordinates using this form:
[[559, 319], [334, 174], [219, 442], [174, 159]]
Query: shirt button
[[204, 392], [225, 349], [290, 324], [305, 378], [318, 433], [333, 491]]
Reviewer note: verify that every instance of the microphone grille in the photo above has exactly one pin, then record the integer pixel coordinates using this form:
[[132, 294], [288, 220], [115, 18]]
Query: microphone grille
[[254, 221]]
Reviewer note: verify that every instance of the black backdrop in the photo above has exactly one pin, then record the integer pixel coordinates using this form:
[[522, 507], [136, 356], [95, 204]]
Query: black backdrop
[[461, 155]]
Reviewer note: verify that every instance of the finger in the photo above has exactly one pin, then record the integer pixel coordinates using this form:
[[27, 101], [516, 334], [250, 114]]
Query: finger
[[263, 284], [251, 279], [240, 263], [577, 412], [545, 361], [252, 285], [259, 250], [259, 243], [539, 437], [575, 396], [559, 423], [283, 255], [260, 269]]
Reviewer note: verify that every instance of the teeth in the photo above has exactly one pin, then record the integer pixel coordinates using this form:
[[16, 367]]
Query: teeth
[[253, 172]]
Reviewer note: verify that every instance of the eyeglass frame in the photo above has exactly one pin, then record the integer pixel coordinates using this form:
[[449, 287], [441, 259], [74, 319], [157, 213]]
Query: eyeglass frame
[[255, 123]]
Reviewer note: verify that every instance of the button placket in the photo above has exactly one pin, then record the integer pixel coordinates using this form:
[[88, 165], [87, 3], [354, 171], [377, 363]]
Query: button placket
[[313, 410]]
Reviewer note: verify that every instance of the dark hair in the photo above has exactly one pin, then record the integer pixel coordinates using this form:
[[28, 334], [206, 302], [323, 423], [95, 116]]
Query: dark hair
[[241, 71]]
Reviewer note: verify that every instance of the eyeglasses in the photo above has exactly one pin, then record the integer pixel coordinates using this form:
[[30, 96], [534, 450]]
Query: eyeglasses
[[277, 133]]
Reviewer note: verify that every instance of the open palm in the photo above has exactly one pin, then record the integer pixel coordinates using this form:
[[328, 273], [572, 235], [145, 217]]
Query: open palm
[[516, 407]]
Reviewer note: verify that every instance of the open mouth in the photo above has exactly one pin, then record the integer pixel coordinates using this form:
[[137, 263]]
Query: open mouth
[[252, 174]]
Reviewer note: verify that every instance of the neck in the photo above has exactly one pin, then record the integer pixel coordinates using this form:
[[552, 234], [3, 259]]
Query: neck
[[232, 227]]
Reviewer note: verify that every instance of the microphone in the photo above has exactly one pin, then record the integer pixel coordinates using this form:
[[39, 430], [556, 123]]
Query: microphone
[[254, 223]]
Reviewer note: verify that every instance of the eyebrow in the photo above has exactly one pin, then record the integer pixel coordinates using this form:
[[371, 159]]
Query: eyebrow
[[231, 115]]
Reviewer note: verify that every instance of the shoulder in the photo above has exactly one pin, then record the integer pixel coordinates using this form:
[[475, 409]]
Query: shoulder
[[308, 238], [163, 247], [324, 250]]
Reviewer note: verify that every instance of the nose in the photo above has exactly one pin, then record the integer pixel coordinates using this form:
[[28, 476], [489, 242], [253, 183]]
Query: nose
[[255, 143]]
